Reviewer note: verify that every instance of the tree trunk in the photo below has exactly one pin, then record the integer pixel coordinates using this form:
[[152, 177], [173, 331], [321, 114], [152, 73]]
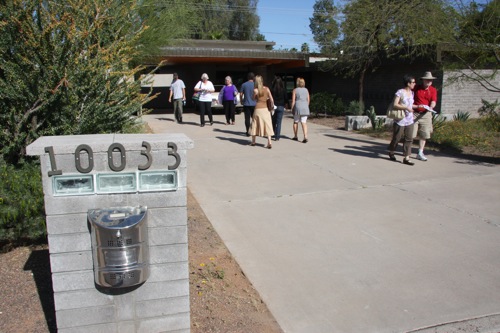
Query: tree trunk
[[361, 89]]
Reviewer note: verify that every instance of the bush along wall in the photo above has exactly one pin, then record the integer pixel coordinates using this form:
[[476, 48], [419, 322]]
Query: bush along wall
[[326, 104], [22, 215]]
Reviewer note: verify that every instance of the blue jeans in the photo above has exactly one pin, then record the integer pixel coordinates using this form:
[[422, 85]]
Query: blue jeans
[[277, 118]]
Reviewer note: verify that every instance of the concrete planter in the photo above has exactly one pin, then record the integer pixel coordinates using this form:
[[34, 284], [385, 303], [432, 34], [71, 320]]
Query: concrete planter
[[359, 122]]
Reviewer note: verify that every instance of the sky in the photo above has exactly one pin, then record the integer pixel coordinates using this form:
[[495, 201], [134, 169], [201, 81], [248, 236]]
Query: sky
[[286, 22]]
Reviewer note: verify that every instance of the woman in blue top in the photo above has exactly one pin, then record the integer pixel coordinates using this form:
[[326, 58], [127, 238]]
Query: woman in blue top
[[404, 127]]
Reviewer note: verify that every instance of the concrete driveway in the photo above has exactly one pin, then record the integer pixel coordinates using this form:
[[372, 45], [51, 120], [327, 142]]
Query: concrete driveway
[[337, 238]]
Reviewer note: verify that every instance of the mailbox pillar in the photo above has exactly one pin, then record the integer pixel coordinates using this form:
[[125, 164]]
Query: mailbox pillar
[[99, 172]]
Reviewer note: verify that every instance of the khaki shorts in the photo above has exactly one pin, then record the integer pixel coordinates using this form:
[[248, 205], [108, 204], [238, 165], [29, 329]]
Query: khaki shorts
[[423, 126]]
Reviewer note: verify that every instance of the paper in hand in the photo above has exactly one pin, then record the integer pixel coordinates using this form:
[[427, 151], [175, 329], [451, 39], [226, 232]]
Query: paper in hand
[[429, 109]]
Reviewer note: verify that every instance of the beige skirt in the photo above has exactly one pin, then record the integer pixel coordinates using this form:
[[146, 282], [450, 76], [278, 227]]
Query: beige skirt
[[262, 124]]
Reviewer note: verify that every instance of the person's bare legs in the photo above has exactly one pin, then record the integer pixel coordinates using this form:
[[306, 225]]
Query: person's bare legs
[[421, 146], [304, 129], [295, 129]]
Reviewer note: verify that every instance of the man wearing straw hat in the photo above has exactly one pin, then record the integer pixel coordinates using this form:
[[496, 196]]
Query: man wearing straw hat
[[425, 99]]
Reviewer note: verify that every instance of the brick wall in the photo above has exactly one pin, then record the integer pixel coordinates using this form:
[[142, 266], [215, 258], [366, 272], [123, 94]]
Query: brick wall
[[465, 96]]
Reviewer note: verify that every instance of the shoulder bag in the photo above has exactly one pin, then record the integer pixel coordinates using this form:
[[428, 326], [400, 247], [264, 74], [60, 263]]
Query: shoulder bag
[[395, 114], [196, 95], [270, 104]]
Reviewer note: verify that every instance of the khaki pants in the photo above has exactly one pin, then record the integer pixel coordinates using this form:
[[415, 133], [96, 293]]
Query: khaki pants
[[178, 109], [397, 133]]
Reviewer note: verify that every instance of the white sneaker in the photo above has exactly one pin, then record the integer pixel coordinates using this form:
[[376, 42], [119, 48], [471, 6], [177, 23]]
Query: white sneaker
[[421, 157]]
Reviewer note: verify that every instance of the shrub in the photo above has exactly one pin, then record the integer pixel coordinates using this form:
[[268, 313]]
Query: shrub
[[461, 116], [438, 121], [459, 134], [66, 68], [321, 103], [326, 103], [490, 115], [22, 215], [338, 107], [355, 108]]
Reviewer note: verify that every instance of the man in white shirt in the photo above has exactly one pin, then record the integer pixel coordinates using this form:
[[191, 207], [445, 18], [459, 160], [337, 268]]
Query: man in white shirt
[[178, 90]]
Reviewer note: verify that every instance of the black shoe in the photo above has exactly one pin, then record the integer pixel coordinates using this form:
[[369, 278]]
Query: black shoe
[[180, 120], [392, 157], [304, 141], [211, 123], [408, 162], [202, 125], [295, 139]]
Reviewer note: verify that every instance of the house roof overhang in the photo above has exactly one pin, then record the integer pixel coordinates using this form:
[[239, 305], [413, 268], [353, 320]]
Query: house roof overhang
[[229, 52]]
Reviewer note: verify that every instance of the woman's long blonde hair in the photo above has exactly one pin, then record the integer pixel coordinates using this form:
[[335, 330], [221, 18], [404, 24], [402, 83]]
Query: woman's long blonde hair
[[259, 84]]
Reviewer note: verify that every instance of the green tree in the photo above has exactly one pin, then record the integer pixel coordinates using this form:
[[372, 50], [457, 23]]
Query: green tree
[[225, 19], [324, 25], [200, 19], [477, 45], [65, 69], [375, 30], [166, 22], [244, 22], [211, 19]]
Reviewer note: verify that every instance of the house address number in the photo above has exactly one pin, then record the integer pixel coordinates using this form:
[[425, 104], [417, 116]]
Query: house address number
[[114, 165]]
